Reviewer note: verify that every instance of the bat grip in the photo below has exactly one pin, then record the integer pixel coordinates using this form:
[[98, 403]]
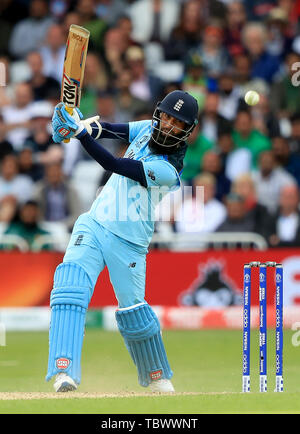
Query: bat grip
[[70, 111]]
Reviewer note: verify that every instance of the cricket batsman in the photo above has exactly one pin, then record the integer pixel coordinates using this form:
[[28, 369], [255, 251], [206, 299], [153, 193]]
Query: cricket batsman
[[116, 233]]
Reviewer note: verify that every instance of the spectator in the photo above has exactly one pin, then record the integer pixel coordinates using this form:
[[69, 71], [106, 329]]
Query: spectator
[[14, 188], [43, 87], [53, 52], [264, 65], [28, 166], [294, 136], [198, 144], [231, 161], [5, 146], [110, 10], [5, 28], [194, 216], [259, 9], [279, 38], [264, 120], [16, 117], [269, 179], [26, 225], [229, 96], [185, 36], [195, 81], [115, 47], [7, 91], [106, 107], [153, 20], [127, 105], [57, 199], [212, 163], [143, 86], [58, 8], [29, 33], [246, 136], [286, 225], [68, 19], [244, 187], [124, 24], [214, 55], [291, 8], [40, 141], [290, 161], [95, 80], [285, 101], [235, 21], [212, 121], [237, 220], [86, 10], [242, 66]]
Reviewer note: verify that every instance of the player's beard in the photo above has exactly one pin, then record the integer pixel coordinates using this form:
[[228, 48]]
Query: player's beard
[[155, 148]]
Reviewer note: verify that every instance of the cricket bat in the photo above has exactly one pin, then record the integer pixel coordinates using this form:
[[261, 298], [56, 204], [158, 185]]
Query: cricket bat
[[74, 64]]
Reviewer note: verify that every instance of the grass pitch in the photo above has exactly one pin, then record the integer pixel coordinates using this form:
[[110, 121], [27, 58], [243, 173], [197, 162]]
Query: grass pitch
[[207, 376]]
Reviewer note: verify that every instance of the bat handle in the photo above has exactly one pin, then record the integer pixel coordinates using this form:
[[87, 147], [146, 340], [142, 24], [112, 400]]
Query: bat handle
[[70, 111]]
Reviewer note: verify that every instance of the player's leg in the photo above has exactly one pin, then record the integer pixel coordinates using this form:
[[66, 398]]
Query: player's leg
[[74, 282], [136, 320]]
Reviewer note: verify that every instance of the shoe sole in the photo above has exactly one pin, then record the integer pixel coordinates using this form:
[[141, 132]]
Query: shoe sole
[[66, 387]]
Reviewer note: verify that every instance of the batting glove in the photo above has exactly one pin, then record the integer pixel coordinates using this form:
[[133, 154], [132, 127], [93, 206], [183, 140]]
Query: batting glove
[[64, 125], [91, 126]]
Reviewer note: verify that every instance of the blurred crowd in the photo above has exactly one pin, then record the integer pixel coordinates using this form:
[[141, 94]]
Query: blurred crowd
[[246, 158]]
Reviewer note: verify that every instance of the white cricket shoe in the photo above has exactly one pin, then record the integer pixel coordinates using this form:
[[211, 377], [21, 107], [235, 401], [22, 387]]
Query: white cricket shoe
[[161, 386], [64, 383]]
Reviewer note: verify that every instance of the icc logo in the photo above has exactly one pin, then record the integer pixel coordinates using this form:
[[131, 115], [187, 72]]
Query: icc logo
[[278, 277], [247, 278], [261, 277]]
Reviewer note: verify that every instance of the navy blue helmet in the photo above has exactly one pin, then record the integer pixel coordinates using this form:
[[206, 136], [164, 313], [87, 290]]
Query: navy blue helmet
[[182, 106]]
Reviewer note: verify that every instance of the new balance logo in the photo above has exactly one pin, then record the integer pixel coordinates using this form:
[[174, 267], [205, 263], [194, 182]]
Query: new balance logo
[[178, 105], [130, 154], [78, 240], [151, 175]]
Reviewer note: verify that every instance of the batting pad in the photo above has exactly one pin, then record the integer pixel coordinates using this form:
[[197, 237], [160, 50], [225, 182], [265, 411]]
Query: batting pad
[[69, 301], [140, 329]]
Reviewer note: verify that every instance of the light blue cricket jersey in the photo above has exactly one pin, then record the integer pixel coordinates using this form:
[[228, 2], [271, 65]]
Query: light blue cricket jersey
[[126, 208]]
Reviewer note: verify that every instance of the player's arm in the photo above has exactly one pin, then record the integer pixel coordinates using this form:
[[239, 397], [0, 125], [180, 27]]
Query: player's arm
[[106, 130], [132, 169], [63, 122]]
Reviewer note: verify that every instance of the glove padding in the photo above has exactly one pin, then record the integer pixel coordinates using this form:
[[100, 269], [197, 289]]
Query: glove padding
[[65, 125]]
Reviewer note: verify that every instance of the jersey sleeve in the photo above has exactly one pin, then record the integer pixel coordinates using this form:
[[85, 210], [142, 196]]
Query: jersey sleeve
[[159, 173]]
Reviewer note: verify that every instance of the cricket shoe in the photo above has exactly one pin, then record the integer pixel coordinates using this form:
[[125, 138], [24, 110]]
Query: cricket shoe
[[161, 386], [64, 383]]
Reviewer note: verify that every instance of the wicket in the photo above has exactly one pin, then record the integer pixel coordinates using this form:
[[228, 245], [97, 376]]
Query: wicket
[[263, 325]]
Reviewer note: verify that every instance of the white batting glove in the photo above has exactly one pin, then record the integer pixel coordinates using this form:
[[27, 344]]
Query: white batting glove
[[91, 125]]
